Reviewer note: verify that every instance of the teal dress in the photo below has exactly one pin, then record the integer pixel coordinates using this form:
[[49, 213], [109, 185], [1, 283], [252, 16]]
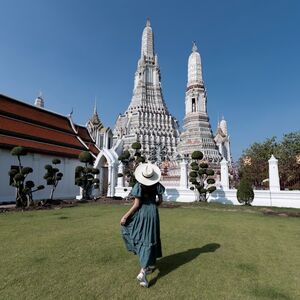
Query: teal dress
[[141, 232]]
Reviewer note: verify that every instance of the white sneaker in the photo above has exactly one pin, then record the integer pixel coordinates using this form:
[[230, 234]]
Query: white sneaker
[[142, 279]]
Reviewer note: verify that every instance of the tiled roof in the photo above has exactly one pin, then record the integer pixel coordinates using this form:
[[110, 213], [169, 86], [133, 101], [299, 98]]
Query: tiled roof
[[40, 130]]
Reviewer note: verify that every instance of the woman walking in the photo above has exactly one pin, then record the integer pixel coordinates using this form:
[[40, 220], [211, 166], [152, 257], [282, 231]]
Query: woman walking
[[140, 225]]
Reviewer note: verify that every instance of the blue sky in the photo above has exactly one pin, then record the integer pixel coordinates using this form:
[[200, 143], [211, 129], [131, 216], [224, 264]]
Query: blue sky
[[74, 51]]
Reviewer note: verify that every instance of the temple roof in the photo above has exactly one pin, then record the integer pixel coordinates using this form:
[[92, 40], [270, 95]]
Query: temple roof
[[41, 131]]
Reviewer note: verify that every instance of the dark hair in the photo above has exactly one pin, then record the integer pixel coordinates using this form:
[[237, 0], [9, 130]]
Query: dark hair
[[148, 189]]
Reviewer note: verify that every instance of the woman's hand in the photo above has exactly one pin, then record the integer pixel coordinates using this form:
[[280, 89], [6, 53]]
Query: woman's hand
[[123, 220]]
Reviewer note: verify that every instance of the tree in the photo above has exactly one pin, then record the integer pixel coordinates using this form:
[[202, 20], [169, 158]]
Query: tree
[[201, 176], [289, 161], [130, 161], [53, 176], [253, 164], [24, 189], [245, 192], [85, 176]]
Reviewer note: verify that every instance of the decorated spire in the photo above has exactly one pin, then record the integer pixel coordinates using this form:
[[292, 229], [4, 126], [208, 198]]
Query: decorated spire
[[194, 67], [147, 41], [95, 118], [39, 101]]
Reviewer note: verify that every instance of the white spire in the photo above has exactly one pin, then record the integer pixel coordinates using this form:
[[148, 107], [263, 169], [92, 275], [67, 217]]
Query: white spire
[[147, 41], [223, 125], [95, 106], [39, 101], [194, 67]]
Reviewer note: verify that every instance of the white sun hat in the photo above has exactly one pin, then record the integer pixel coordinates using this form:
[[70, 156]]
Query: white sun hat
[[147, 174]]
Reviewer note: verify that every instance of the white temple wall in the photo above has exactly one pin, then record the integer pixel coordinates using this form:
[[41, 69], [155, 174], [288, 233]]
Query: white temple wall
[[66, 187]]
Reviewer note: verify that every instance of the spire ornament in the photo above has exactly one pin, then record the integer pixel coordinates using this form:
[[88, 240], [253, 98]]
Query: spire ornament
[[148, 24], [194, 49]]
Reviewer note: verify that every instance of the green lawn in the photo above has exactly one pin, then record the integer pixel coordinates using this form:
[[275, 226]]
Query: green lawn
[[78, 253]]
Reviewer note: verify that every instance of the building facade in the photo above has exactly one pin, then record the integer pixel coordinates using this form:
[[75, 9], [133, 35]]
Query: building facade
[[46, 135]]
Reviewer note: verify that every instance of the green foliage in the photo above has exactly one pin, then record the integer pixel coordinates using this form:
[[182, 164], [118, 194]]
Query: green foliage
[[211, 189], [141, 159], [85, 175], [24, 189], [199, 176], [211, 181], [86, 157], [210, 172], [253, 164], [53, 176], [56, 161], [203, 165], [136, 146], [193, 174], [18, 151], [198, 155], [245, 192], [26, 170], [95, 171], [195, 168], [29, 184], [130, 162]]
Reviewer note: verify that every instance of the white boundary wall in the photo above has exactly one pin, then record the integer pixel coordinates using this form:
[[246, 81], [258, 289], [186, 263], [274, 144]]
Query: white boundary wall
[[261, 198], [66, 187]]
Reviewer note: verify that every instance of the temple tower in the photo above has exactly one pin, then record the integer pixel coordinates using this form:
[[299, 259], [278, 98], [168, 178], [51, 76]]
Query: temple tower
[[197, 134], [147, 118], [101, 135]]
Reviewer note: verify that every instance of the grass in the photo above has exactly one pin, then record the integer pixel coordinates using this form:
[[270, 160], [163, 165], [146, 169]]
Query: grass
[[209, 253]]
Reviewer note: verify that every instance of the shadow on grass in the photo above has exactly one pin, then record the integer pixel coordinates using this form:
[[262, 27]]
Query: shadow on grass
[[172, 262]]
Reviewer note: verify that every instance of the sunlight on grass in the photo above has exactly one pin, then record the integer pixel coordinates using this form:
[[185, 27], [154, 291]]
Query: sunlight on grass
[[78, 253]]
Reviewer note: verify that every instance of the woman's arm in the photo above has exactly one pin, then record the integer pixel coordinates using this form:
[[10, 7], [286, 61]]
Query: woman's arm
[[131, 211], [160, 199]]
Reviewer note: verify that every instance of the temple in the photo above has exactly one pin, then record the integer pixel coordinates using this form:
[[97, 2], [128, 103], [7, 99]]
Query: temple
[[197, 134], [147, 118]]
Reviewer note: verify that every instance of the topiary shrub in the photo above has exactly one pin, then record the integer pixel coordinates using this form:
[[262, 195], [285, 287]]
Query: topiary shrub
[[130, 162], [53, 176], [199, 176], [245, 193], [24, 189], [85, 175]]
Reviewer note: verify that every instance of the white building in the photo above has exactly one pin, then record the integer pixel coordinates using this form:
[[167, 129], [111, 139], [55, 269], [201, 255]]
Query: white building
[[46, 135]]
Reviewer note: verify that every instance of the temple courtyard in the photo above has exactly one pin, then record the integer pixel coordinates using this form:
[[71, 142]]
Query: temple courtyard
[[210, 251]]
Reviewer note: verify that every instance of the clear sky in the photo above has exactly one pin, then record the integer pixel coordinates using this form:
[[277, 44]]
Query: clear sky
[[74, 51]]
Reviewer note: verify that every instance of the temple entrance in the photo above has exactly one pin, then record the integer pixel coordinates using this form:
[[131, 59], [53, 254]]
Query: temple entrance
[[103, 176]]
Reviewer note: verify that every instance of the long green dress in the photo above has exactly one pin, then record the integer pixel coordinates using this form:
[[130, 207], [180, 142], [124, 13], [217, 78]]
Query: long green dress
[[141, 231]]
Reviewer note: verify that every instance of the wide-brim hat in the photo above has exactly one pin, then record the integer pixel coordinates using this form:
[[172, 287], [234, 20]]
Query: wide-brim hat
[[147, 174]]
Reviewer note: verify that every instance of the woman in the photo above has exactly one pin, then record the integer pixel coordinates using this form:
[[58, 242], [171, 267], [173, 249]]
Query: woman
[[140, 225]]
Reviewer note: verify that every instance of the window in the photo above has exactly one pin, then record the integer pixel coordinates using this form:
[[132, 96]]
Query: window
[[193, 104]]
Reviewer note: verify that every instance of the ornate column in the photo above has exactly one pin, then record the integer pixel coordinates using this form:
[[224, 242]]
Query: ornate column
[[224, 175], [111, 179], [273, 175], [120, 182], [183, 174]]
